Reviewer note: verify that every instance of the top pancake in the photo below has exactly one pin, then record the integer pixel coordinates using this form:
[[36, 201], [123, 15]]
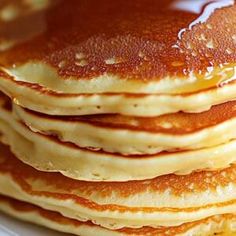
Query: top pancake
[[141, 40], [139, 48]]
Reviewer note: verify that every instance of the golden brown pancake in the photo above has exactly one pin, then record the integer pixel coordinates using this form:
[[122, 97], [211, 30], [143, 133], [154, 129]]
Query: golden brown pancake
[[159, 60], [48, 153], [222, 225], [154, 32], [143, 58], [168, 200], [138, 135]]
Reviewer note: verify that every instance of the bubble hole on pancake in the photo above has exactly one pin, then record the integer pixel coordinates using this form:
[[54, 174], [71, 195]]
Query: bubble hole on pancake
[[223, 225]]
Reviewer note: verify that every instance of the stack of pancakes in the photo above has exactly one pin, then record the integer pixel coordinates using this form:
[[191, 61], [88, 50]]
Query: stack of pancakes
[[118, 117]]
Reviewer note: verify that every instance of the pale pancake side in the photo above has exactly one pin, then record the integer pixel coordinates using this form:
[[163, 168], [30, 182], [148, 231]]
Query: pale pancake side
[[136, 135], [41, 99], [48, 153]]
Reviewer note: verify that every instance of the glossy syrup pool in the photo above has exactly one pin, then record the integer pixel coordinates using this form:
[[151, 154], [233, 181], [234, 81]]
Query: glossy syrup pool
[[136, 40]]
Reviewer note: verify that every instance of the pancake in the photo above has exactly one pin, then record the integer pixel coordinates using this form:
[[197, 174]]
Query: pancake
[[164, 201], [137, 135], [222, 225], [48, 153], [101, 60]]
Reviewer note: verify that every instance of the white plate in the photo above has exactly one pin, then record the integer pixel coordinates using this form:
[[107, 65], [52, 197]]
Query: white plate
[[12, 227]]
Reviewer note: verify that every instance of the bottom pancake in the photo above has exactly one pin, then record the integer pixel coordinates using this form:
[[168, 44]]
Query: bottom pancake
[[223, 225], [166, 201]]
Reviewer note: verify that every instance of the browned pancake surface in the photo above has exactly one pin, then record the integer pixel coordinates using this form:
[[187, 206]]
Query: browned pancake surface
[[132, 39]]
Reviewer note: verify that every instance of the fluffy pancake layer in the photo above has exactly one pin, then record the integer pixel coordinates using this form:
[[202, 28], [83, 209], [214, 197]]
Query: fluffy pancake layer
[[221, 225], [164, 201], [48, 153], [142, 69], [135, 135], [39, 98]]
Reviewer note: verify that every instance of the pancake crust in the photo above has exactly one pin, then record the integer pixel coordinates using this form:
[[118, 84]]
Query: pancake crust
[[222, 225], [164, 201], [136, 135]]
